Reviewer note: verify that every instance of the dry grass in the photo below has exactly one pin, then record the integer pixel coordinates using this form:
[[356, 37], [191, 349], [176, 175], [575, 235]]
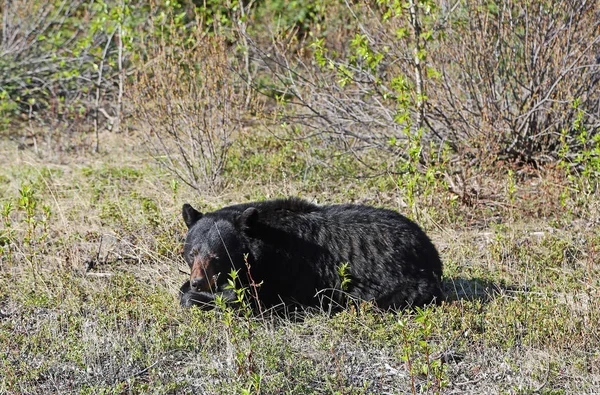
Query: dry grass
[[89, 303], [90, 244]]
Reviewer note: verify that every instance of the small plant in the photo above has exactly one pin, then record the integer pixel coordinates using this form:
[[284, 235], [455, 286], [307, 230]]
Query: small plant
[[174, 189], [344, 273], [35, 222], [417, 353], [237, 318], [8, 233], [410, 177], [420, 172], [27, 204], [407, 354], [579, 159]]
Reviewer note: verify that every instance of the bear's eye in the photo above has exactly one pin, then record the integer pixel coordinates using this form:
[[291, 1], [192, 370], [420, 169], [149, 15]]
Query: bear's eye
[[194, 251]]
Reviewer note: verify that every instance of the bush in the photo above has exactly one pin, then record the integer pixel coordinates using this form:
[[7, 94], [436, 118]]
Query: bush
[[510, 73], [62, 61], [496, 80], [190, 101]]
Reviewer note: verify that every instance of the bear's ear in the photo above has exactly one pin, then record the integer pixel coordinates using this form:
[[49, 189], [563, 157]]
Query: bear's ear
[[248, 218], [190, 215]]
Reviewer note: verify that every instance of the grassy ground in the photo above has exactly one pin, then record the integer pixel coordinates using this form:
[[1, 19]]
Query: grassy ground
[[90, 270]]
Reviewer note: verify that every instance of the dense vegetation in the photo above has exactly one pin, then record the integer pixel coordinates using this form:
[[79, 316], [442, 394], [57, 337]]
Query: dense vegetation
[[479, 120]]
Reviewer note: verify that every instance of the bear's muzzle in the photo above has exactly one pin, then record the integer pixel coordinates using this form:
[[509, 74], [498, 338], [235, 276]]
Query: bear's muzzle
[[202, 278]]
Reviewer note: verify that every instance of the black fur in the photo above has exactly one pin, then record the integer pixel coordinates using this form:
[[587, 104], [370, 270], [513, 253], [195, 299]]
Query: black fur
[[294, 249]]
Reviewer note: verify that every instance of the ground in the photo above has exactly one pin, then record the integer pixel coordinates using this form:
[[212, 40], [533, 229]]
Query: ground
[[91, 267]]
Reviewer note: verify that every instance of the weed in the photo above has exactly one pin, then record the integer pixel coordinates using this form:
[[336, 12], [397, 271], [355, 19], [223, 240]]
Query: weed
[[242, 332], [420, 174], [417, 354], [8, 233], [345, 278]]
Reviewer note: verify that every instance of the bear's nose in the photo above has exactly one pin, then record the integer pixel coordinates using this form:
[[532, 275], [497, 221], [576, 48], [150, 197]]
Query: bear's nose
[[198, 283]]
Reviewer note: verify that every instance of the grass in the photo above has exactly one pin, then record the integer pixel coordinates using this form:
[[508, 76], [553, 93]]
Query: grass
[[91, 266]]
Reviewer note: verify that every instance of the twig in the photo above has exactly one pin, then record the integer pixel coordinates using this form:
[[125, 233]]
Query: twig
[[98, 84]]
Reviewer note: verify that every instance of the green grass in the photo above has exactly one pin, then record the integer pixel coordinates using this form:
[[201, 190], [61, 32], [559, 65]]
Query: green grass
[[88, 292]]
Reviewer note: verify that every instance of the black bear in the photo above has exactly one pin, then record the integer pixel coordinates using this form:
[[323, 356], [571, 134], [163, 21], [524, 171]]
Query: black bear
[[295, 249]]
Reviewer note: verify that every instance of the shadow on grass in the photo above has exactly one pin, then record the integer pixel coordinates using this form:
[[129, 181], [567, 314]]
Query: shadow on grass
[[475, 289]]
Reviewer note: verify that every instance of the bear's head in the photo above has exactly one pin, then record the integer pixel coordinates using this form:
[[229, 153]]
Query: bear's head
[[215, 245]]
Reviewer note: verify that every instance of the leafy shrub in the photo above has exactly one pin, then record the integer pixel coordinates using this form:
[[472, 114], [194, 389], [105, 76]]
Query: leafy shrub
[[509, 73], [61, 60], [189, 99], [494, 80]]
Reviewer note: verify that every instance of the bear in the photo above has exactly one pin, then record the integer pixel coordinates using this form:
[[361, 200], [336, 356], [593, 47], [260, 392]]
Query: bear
[[293, 250]]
